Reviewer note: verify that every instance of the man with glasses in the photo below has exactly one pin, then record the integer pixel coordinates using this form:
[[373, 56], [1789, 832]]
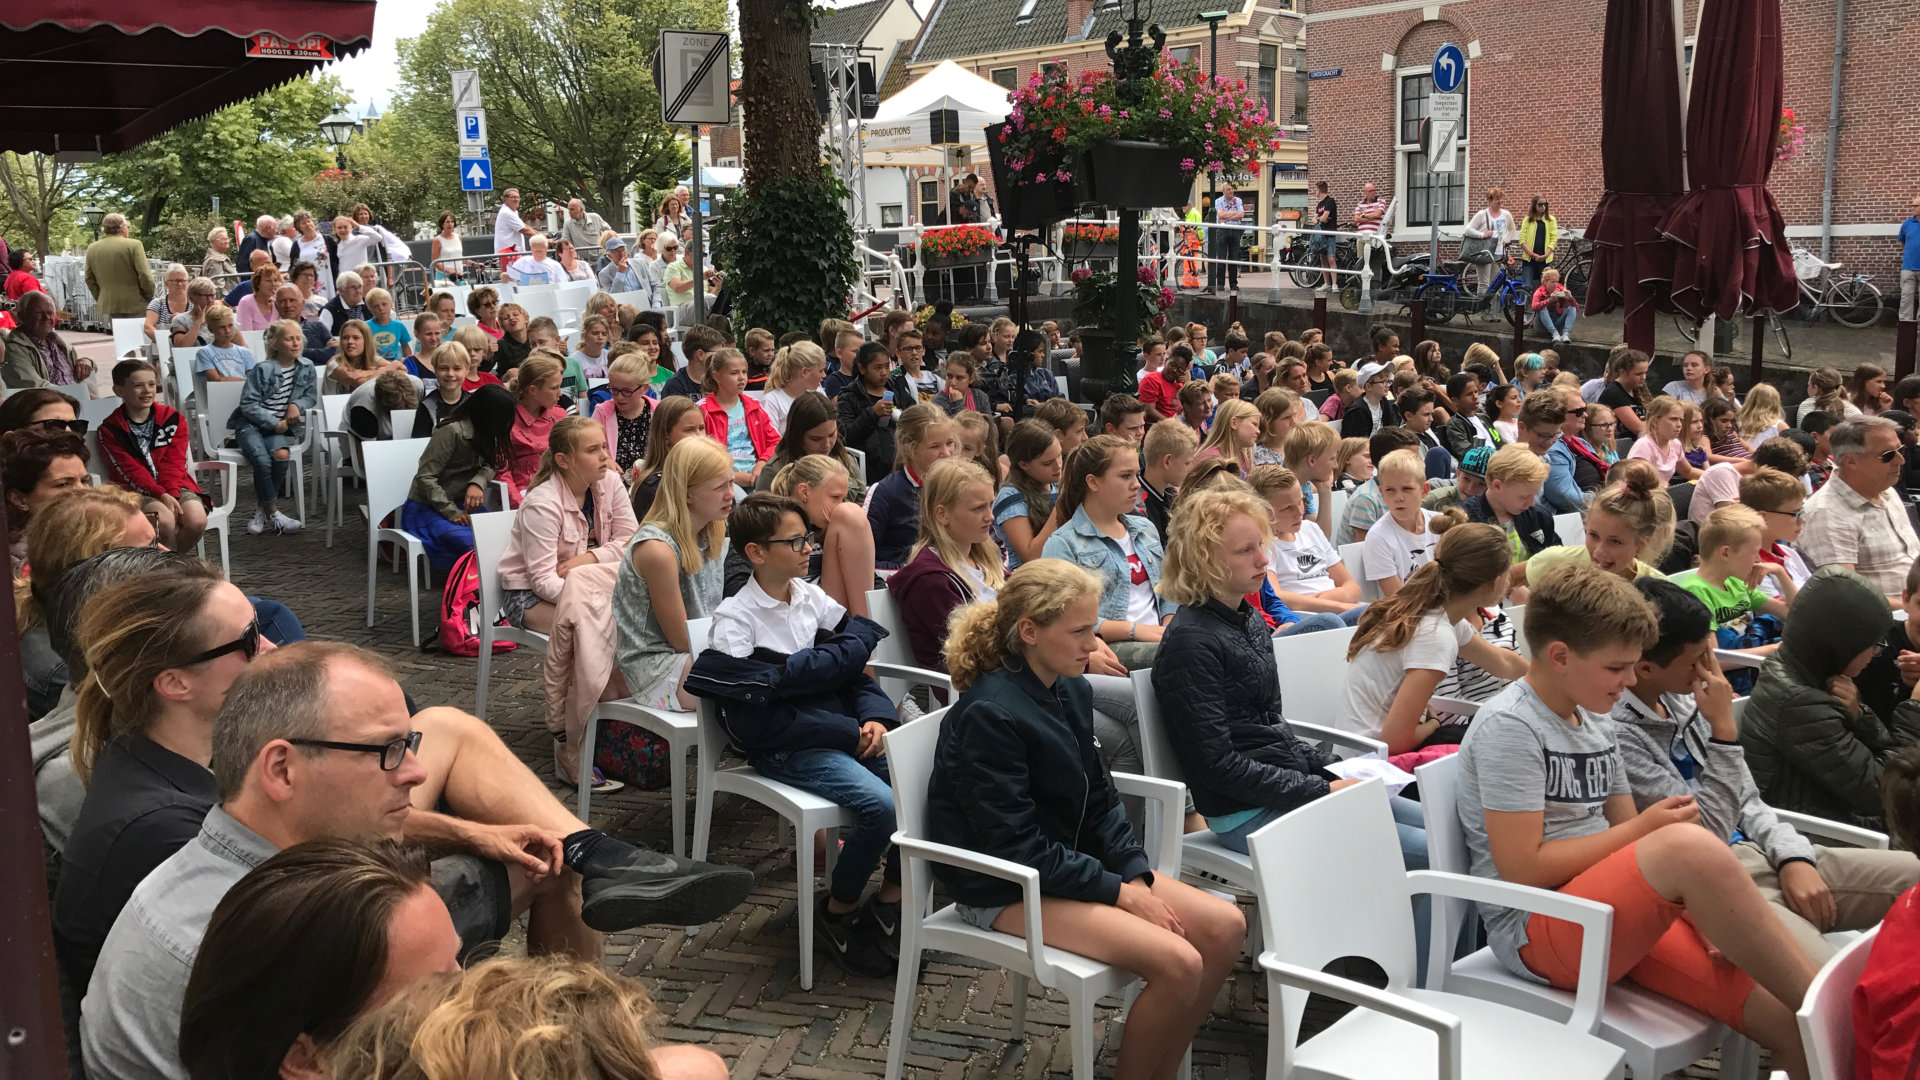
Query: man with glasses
[[1856, 520], [315, 741], [35, 354]]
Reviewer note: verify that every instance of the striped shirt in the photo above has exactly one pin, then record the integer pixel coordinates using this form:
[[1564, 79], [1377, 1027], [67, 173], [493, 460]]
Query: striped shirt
[[281, 395]]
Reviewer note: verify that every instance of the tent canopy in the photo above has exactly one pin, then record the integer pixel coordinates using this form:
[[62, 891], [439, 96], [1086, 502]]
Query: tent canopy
[[87, 77], [903, 122]]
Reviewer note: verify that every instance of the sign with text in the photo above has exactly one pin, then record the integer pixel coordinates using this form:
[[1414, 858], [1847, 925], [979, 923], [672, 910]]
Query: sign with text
[[472, 125], [693, 69], [311, 47]]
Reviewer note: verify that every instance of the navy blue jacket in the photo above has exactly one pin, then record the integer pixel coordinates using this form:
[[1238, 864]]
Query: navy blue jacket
[[815, 699], [893, 514], [1017, 775], [1535, 524]]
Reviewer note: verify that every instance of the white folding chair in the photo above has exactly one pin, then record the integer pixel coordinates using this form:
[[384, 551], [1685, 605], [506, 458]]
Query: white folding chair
[[256, 342], [859, 462], [1331, 886], [491, 533], [679, 730], [389, 468], [1571, 527], [337, 462], [96, 410], [1083, 981], [1657, 1034], [129, 335], [636, 298], [1353, 555], [538, 301], [217, 401], [1826, 1012]]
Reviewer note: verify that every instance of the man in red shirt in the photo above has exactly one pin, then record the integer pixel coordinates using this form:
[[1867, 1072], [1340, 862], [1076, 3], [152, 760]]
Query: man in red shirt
[[1160, 390]]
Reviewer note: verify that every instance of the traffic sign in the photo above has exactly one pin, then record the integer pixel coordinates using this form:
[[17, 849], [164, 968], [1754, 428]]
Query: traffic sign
[[1447, 106], [472, 130], [1446, 141], [692, 70], [476, 174], [1449, 68], [466, 89]]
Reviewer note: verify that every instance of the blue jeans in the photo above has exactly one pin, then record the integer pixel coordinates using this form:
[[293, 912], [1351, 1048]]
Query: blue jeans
[[277, 623], [1562, 327], [860, 785], [269, 475], [1314, 621], [445, 541]]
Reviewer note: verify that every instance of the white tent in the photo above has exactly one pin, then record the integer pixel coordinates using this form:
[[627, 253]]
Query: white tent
[[903, 124]]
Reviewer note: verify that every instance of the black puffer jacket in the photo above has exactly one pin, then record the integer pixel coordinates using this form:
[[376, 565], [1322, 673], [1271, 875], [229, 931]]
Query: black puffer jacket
[[1219, 695], [1017, 776]]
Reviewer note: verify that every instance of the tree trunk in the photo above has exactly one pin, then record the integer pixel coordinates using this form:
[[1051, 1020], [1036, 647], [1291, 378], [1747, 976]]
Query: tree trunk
[[782, 136], [150, 213]]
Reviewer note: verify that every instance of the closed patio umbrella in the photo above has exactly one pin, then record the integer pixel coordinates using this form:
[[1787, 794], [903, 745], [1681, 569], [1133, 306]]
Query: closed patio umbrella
[[1640, 157], [1732, 253]]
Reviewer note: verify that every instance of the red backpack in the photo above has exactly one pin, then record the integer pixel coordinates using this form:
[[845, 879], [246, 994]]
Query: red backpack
[[460, 610]]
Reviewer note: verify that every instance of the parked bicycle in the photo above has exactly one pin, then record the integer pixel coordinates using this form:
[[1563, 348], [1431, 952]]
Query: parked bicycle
[[1454, 292], [1305, 267], [1850, 300], [1574, 260]]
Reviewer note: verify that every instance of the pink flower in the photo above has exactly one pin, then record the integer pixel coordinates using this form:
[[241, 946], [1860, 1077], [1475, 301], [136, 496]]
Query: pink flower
[[1081, 274], [1062, 175], [1106, 112], [1186, 164], [1166, 297], [1039, 178], [1214, 166], [1160, 321], [1166, 114]]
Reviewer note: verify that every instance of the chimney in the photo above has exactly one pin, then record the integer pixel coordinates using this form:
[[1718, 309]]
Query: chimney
[[1079, 15]]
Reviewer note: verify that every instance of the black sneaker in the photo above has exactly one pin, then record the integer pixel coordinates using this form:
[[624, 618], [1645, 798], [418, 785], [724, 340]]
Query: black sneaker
[[652, 887], [851, 940], [885, 919]]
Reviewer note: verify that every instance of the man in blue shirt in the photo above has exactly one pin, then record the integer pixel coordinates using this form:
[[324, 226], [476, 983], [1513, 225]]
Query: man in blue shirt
[[1910, 265], [1227, 209]]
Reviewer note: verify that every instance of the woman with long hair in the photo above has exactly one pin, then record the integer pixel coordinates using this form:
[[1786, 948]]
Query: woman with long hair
[[812, 428], [1021, 507], [464, 456], [1629, 526], [1015, 777], [1408, 642], [1538, 235], [675, 420], [40, 407], [354, 359], [1867, 386], [536, 391], [674, 572], [1101, 531], [1501, 407], [575, 514]]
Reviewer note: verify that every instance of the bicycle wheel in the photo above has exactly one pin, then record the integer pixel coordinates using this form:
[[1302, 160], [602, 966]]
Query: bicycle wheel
[[1439, 300], [1299, 262], [1577, 276], [1688, 329], [1854, 302], [1350, 295], [1468, 277]]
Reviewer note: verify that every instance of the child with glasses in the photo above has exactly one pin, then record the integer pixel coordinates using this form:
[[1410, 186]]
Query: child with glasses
[[818, 726]]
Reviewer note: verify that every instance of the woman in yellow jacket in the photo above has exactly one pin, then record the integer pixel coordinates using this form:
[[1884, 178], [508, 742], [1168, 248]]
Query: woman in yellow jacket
[[1539, 234]]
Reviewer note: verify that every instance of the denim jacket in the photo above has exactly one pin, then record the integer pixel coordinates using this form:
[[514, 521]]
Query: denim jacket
[[1080, 541], [1560, 490], [252, 411]]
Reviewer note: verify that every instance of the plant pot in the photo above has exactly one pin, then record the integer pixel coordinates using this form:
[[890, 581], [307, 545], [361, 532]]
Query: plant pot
[[1081, 251], [1027, 205], [1104, 369], [1128, 175], [949, 262]]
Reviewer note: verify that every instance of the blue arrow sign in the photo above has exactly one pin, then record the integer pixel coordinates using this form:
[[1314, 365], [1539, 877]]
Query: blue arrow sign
[[476, 174], [1449, 68]]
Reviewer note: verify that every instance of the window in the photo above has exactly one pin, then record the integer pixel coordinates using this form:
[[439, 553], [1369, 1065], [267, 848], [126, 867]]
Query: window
[[1182, 53], [1005, 77], [1269, 63], [1427, 196], [1301, 80], [929, 201], [1050, 69], [892, 215]]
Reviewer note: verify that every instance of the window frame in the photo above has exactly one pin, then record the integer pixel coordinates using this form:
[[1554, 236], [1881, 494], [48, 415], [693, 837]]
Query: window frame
[[899, 215], [1013, 77], [1406, 152], [922, 202], [1267, 76]]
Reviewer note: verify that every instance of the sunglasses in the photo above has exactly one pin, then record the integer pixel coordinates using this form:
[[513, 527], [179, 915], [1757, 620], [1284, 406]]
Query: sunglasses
[[78, 427], [247, 644], [392, 752], [1887, 457]]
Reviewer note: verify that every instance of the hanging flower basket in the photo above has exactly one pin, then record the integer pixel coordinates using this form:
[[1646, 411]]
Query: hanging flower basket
[[961, 245], [1130, 175], [1025, 203], [1082, 242]]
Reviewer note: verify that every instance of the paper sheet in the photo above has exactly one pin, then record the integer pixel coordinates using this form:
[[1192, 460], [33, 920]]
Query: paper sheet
[[1367, 768]]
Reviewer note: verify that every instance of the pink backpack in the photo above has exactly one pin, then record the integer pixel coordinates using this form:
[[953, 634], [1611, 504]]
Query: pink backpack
[[460, 610]]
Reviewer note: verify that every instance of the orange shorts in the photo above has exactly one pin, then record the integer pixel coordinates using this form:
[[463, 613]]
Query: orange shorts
[[1652, 944]]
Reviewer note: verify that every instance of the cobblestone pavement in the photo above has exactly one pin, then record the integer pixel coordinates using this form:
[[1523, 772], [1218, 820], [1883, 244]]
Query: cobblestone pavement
[[732, 986]]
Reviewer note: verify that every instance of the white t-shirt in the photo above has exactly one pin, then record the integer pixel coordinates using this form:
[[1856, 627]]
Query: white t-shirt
[[1303, 564], [1142, 605], [1391, 551], [1797, 569], [506, 229], [315, 252], [1373, 678], [750, 619], [978, 578]]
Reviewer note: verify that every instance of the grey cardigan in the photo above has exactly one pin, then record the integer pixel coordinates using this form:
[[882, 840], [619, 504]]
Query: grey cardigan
[[1727, 796]]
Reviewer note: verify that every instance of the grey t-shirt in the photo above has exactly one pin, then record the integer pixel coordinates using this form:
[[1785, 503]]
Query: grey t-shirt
[[1520, 757]]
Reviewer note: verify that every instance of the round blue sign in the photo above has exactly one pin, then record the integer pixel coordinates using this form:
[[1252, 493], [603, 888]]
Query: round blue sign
[[1449, 68]]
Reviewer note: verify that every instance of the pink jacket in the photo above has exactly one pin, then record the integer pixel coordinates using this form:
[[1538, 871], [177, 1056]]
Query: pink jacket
[[525, 445], [580, 653], [550, 529], [604, 415]]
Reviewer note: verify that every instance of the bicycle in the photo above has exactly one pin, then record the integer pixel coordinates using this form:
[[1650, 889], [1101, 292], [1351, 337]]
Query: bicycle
[[1776, 325], [1450, 293], [1852, 300], [1574, 260], [1310, 274]]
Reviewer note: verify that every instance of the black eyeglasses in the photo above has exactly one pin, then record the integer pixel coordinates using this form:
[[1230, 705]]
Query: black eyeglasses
[[247, 644], [392, 752], [78, 427], [796, 544]]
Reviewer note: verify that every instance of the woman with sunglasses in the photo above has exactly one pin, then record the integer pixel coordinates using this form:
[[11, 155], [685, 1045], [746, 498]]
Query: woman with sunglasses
[[41, 407], [1539, 235], [37, 465]]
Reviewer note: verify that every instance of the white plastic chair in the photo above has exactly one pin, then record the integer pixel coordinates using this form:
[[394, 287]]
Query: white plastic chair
[[95, 412], [336, 446], [1826, 1013], [1313, 684], [538, 301], [895, 651], [679, 730], [1571, 527], [389, 468], [1353, 555], [129, 335], [1331, 885], [79, 391], [491, 533], [256, 342], [859, 462], [217, 402], [1657, 1034], [636, 298], [1083, 981]]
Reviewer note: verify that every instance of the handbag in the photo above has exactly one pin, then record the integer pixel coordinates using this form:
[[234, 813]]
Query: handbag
[[1476, 249]]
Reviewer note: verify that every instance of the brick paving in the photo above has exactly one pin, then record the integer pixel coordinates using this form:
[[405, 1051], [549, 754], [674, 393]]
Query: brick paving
[[733, 985]]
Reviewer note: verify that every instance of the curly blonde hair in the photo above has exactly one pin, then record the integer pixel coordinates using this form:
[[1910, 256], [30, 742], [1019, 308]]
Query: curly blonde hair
[[1193, 573], [983, 634]]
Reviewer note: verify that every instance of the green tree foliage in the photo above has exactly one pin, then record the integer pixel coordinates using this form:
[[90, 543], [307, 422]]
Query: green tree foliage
[[253, 155], [568, 89], [787, 248], [42, 199]]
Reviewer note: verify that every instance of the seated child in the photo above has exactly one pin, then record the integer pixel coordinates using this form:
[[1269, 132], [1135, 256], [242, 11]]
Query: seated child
[[805, 713], [428, 332], [270, 419], [1403, 539], [1196, 405], [145, 444], [1545, 801], [226, 360], [390, 336], [1168, 452], [1303, 569], [373, 404], [1677, 736], [452, 366], [590, 360], [1729, 551]]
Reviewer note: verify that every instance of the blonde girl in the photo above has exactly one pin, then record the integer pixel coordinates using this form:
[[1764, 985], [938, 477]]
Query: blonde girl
[[674, 572], [1660, 445], [979, 440], [1008, 750], [844, 547], [1408, 642], [735, 420], [1280, 410], [922, 435], [1352, 464], [1021, 507], [536, 388], [1629, 526], [1693, 435], [481, 349], [797, 369], [1760, 417], [1234, 434], [675, 420], [626, 417], [574, 515], [354, 361]]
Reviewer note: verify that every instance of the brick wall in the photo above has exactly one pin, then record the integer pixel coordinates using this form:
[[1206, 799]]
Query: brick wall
[[1534, 107]]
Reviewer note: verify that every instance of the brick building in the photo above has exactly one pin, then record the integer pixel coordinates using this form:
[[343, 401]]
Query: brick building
[[1008, 41], [1533, 114]]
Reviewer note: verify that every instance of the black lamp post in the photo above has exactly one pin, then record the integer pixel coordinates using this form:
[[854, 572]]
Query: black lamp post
[[91, 217], [337, 129], [1213, 19], [1133, 64]]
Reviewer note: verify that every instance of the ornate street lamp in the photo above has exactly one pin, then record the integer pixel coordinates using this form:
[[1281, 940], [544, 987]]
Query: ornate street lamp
[[91, 217], [1133, 64], [337, 129]]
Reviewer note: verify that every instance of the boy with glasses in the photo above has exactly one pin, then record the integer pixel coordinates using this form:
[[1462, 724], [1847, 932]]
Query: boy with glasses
[[798, 702]]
